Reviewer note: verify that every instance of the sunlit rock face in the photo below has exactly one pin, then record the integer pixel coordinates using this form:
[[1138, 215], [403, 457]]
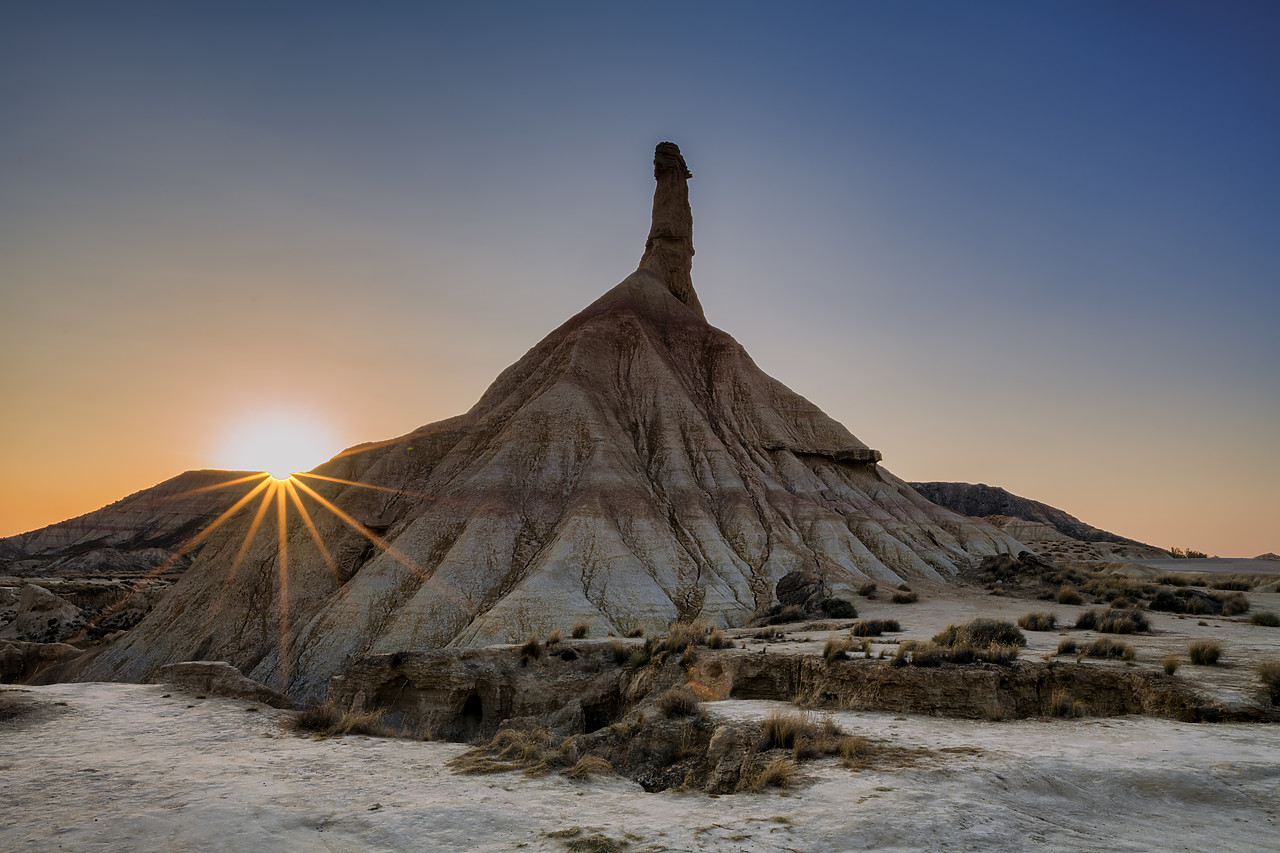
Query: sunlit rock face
[[634, 468]]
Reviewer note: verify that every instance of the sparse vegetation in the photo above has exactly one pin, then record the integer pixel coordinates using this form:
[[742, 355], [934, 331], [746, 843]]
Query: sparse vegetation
[[580, 629], [678, 702], [1038, 621], [836, 649], [554, 637], [1266, 619], [1107, 648], [778, 772], [780, 615], [588, 766], [531, 649], [1269, 673], [1204, 652], [1068, 594], [907, 597], [868, 589], [1187, 554], [1062, 705], [1199, 602], [838, 608], [326, 720], [1113, 621], [1066, 646], [1171, 663], [982, 632], [927, 654], [717, 640], [873, 627]]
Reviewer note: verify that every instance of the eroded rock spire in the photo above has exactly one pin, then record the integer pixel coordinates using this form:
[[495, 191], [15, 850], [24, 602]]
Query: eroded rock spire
[[668, 253]]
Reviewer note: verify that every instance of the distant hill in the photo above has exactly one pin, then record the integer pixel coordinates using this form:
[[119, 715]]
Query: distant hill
[[1270, 555], [133, 536], [1010, 512]]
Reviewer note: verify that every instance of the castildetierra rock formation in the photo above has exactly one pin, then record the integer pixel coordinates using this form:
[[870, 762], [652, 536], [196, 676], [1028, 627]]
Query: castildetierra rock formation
[[634, 468]]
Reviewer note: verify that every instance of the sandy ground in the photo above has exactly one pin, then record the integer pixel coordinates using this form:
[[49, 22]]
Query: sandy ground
[[120, 767]]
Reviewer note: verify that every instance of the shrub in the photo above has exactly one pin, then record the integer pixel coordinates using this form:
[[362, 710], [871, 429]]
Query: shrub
[[554, 637], [1067, 647], [982, 632], [838, 608], [776, 773], [1173, 580], [902, 587], [1266, 619], [717, 640], [874, 627], [588, 766], [1038, 621], [1235, 604], [1171, 663], [933, 654], [1114, 621], [1238, 583], [681, 635], [678, 702], [580, 629], [636, 631], [1068, 594], [1061, 705], [836, 649], [905, 597], [1204, 652], [329, 721], [1269, 672], [867, 590], [1105, 647], [531, 649], [780, 615]]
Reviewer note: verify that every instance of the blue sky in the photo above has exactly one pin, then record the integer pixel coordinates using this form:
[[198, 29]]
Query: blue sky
[[1028, 244]]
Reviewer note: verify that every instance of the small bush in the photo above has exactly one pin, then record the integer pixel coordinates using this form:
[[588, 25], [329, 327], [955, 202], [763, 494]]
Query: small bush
[[1173, 580], [635, 632], [554, 637], [1038, 621], [682, 635], [838, 608], [1105, 647], [902, 587], [931, 654], [905, 597], [1067, 647], [1171, 663], [327, 720], [1061, 705], [531, 649], [868, 589], [1068, 594], [579, 629], [874, 627], [776, 773], [1238, 583], [588, 766], [1235, 604], [1269, 672], [1266, 619], [982, 632], [717, 640], [620, 651], [1204, 652], [678, 702], [836, 649], [1114, 621], [781, 615]]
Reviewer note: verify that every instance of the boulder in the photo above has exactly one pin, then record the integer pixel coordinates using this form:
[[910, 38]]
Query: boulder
[[218, 678], [43, 617]]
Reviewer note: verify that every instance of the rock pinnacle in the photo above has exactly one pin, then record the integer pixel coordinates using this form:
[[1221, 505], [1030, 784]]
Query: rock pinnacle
[[668, 253]]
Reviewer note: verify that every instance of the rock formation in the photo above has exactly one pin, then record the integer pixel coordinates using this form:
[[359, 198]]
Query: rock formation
[[634, 468], [1049, 530]]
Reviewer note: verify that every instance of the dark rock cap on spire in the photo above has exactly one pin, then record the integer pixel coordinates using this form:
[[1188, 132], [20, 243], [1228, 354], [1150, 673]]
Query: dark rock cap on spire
[[668, 253]]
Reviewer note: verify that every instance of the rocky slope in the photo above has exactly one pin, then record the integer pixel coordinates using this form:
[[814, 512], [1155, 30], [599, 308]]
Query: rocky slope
[[1048, 530], [133, 536], [634, 468]]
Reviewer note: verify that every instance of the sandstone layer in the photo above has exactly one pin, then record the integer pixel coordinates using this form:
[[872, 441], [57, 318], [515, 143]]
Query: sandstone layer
[[633, 469]]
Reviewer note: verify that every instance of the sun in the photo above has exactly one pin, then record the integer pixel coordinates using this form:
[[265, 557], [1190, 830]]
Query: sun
[[277, 443]]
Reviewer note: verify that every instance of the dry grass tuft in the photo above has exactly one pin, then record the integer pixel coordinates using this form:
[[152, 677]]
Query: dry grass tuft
[[1062, 705], [580, 629], [1266, 619], [531, 649], [1038, 621], [1066, 647], [328, 721], [838, 608], [678, 702], [596, 843], [868, 590], [588, 766], [981, 632], [529, 750], [776, 773], [717, 640], [907, 597], [1170, 663], [1068, 594], [1269, 673], [873, 627], [554, 637], [1113, 621], [1204, 652]]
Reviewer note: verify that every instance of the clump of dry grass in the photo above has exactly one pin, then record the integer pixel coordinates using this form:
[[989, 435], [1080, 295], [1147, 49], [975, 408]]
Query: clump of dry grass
[[1269, 673], [868, 590], [836, 648], [1066, 646], [1038, 621], [1170, 663], [327, 721], [1105, 647], [1068, 594], [928, 654], [530, 750], [678, 702], [588, 766], [531, 649], [554, 637], [595, 843], [1266, 619], [1113, 621], [1204, 652], [981, 632], [777, 772], [838, 608], [873, 627], [717, 640], [580, 629], [907, 597], [1062, 705], [682, 635]]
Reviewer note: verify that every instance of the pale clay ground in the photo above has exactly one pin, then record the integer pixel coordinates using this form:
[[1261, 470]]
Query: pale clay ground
[[121, 768]]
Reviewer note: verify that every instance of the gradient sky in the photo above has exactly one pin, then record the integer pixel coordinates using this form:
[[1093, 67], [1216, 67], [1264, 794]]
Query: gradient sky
[[1035, 245]]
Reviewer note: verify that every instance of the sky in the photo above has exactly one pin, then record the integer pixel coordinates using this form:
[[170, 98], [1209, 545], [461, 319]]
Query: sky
[[1034, 245]]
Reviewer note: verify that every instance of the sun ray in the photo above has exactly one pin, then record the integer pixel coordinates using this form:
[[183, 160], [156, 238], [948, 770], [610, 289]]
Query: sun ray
[[363, 485], [315, 534], [283, 540], [214, 487], [243, 551], [387, 547]]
